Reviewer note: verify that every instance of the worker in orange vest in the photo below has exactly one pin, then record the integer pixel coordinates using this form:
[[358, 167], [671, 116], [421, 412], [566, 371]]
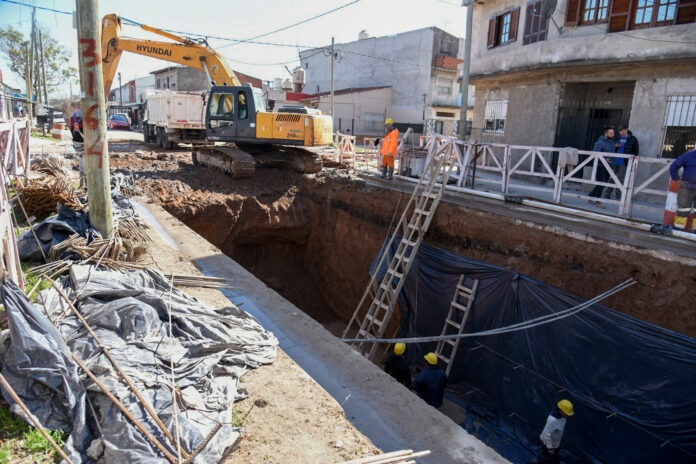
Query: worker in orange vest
[[390, 148]]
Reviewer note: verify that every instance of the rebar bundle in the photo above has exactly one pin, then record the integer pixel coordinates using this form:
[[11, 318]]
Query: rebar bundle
[[52, 165], [116, 253], [40, 198]]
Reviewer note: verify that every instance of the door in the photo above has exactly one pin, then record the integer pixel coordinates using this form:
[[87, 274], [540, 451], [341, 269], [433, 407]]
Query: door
[[246, 114], [221, 121]]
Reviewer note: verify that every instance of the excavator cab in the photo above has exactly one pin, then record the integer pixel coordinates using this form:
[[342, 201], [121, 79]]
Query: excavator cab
[[231, 113]]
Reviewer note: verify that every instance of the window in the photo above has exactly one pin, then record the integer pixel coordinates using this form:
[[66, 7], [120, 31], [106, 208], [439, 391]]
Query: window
[[535, 24], [221, 110], [680, 126], [651, 13], [444, 114], [502, 28], [623, 15], [594, 11], [496, 113], [444, 87], [242, 107]]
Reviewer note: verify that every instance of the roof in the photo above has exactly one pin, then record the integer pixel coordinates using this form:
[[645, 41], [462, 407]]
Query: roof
[[349, 91]]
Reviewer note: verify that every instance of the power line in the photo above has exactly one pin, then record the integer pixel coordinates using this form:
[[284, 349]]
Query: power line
[[298, 23], [53, 10]]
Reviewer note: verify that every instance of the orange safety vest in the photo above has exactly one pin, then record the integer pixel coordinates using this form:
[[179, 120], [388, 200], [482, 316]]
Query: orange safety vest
[[390, 146]]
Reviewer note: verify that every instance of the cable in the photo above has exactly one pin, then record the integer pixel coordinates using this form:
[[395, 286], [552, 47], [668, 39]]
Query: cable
[[38, 7], [268, 64], [299, 23], [502, 330]]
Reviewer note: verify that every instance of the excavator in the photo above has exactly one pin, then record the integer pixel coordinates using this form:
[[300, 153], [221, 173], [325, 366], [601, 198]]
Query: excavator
[[239, 130]]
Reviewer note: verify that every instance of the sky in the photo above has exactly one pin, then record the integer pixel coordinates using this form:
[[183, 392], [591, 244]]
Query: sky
[[241, 20]]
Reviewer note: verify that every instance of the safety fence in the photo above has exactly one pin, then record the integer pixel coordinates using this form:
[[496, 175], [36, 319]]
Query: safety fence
[[14, 165], [558, 175]]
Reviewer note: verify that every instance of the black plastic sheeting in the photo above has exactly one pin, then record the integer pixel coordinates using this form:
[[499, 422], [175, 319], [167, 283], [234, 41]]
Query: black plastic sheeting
[[633, 384], [210, 351]]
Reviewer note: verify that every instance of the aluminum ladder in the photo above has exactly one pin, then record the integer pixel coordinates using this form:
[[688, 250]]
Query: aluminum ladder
[[382, 292], [462, 301]]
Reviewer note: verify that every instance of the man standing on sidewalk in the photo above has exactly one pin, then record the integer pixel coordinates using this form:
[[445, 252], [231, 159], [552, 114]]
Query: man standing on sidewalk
[[606, 144], [628, 145], [686, 197]]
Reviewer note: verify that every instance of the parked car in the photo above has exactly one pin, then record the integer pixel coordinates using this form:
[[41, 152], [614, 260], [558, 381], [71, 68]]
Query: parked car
[[118, 121], [76, 126]]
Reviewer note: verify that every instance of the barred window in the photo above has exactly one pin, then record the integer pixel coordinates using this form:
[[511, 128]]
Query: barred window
[[680, 126], [496, 113]]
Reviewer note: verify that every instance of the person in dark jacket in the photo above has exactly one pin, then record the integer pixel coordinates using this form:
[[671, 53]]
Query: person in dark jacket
[[686, 197], [605, 144], [430, 383], [397, 366], [628, 145]]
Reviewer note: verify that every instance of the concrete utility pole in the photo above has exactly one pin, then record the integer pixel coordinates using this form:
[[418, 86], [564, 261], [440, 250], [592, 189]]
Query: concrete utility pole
[[333, 56], [43, 68], [94, 117], [467, 61]]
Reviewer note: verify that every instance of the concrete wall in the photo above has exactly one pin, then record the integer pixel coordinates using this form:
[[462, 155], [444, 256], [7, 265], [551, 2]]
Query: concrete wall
[[182, 78], [580, 45], [350, 110], [649, 107], [531, 115]]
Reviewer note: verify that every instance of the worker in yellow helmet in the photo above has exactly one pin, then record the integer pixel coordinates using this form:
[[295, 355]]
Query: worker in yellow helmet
[[397, 366], [430, 383], [390, 148], [553, 432]]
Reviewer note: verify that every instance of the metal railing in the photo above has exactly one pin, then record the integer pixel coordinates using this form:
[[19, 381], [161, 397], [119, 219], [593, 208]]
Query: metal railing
[[548, 173]]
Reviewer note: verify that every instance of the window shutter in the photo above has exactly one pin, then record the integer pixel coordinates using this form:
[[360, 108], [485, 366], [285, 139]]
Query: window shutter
[[619, 17], [528, 23], [573, 13], [492, 24], [514, 21], [686, 12]]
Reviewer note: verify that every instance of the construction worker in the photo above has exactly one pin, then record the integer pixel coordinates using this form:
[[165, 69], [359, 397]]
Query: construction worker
[[553, 432], [430, 383], [390, 148], [397, 366]]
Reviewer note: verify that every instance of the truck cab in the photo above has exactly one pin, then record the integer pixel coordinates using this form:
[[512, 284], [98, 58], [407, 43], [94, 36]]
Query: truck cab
[[231, 113]]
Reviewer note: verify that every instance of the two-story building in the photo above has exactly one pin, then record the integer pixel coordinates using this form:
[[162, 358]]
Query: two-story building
[[553, 73], [414, 72]]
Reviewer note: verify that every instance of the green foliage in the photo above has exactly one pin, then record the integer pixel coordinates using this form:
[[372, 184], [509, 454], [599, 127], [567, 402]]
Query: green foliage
[[5, 453], [16, 48], [36, 443], [10, 426]]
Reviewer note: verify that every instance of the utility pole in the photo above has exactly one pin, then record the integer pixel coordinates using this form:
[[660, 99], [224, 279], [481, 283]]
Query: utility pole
[[333, 56], [96, 155], [32, 48], [29, 80], [43, 68], [467, 61], [120, 90]]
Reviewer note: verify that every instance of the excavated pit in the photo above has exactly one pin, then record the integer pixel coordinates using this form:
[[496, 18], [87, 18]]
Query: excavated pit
[[312, 239]]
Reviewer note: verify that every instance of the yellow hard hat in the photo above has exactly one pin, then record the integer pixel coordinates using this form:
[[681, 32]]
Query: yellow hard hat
[[431, 358], [389, 121], [566, 406], [399, 349]]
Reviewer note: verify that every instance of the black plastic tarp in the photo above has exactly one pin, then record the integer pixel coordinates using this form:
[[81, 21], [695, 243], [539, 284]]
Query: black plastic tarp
[[633, 383], [210, 350]]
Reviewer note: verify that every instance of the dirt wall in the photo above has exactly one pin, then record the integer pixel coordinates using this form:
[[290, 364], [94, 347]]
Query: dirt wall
[[313, 239]]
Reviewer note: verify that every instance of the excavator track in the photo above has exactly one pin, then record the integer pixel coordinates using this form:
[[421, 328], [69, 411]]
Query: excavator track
[[239, 164], [240, 161]]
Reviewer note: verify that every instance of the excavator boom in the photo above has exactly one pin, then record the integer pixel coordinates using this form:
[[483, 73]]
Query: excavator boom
[[184, 51]]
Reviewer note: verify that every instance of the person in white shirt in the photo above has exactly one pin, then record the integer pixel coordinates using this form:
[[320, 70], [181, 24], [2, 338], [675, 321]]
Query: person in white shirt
[[553, 432]]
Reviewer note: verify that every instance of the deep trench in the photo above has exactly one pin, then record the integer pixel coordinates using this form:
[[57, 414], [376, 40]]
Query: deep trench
[[312, 239]]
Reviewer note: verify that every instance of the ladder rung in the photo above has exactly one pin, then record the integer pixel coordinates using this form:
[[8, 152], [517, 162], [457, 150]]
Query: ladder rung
[[430, 195], [397, 274], [451, 342], [386, 287], [464, 289], [421, 211], [459, 326], [444, 358], [457, 305]]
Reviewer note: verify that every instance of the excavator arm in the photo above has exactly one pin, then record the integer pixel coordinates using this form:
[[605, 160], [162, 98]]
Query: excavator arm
[[183, 51]]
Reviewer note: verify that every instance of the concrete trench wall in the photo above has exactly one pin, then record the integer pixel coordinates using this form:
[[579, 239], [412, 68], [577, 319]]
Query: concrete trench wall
[[324, 237]]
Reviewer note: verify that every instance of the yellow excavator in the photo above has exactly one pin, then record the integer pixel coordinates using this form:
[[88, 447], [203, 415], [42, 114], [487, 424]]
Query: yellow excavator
[[235, 114]]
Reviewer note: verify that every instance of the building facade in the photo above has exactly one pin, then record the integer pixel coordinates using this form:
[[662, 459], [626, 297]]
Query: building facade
[[420, 68], [554, 73]]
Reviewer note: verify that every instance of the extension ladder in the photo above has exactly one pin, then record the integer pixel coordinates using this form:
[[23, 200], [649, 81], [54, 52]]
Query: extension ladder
[[383, 290], [462, 301]]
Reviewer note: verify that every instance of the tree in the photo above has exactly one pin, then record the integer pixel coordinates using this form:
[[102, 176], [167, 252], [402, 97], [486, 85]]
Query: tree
[[16, 48]]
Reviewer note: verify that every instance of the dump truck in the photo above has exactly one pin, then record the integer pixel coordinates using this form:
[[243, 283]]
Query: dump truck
[[240, 130], [174, 117]]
